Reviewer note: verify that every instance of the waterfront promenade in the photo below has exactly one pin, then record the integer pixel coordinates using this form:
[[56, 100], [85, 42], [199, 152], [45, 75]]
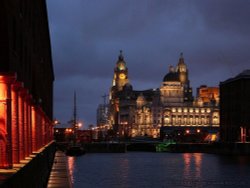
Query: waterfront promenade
[[59, 176]]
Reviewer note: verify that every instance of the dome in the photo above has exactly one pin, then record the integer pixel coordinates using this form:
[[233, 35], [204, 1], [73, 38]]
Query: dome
[[170, 77]]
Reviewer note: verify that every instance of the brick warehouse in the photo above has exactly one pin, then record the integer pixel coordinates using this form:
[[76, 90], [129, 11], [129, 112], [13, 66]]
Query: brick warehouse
[[26, 80]]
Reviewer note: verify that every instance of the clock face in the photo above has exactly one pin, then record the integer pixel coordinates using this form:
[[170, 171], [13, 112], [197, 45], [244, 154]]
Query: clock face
[[182, 69], [122, 76], [121, 66]]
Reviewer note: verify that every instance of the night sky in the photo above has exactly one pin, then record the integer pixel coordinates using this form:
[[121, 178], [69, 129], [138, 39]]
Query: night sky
[[86, 36]]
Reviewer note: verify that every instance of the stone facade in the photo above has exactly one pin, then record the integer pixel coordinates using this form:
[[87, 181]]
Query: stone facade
[[143, 113]]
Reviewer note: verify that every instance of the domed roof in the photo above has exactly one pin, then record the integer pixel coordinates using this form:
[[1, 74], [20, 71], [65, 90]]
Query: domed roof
[[170, 77]]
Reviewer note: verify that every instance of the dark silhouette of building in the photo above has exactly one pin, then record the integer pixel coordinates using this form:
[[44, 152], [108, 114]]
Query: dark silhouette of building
[[26, 80], [234, 108]]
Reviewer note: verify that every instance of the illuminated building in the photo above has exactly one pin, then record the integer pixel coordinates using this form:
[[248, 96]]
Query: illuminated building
[[234, 108], [26, 81], [120, 79], [169, 108], [206, 95]]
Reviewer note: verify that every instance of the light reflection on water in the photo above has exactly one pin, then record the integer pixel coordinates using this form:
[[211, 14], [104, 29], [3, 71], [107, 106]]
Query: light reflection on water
[[142, 169], [71, 168], [192, 165]]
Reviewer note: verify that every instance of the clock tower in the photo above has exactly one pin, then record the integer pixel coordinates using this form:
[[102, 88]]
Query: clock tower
[[120, 73], [120, 79]]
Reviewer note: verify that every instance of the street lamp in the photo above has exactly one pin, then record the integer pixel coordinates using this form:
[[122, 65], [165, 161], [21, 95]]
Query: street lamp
[[79, 125], [56, 122]]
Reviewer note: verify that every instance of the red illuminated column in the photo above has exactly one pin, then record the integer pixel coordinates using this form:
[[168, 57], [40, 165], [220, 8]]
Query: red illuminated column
[[15, 122], [25, 126], [6, 120], [43, 129], [39, 127], [22, 123], [29, 125], [3, 127], [34, 128]]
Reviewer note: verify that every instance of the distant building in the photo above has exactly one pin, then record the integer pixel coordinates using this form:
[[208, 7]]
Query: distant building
[[102, 115], [26, 80], [207, 95], [170, 108], [234, 108], [66, 135]]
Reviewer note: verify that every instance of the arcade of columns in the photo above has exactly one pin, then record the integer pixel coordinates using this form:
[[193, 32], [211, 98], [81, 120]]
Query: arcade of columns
[[24, 126]]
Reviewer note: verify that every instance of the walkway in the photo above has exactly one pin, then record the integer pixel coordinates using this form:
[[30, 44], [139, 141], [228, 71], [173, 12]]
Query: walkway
[[59, 176]]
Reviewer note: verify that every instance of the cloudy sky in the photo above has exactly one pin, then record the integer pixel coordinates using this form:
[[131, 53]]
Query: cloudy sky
[[86, 36]]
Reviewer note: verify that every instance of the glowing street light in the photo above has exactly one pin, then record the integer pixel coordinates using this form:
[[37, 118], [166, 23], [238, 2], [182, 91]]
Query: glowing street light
[[56, 122], [79, 125]]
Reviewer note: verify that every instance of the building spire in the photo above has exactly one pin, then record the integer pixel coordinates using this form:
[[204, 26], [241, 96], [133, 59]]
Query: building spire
[[121, 56], [181, 59], [181, 55]]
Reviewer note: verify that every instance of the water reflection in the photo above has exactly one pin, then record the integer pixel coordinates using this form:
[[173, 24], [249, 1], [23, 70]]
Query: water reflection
[[71, 168], [198, 161], [124, 169], [139, 169], [192, 165]]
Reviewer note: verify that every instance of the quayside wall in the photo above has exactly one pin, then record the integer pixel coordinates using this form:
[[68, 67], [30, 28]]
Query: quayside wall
[[215, 148], [105, 148], [33, 172]]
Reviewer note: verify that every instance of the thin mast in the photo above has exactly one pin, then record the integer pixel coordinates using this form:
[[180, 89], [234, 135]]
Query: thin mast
[[74, 113], [74, 120]]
